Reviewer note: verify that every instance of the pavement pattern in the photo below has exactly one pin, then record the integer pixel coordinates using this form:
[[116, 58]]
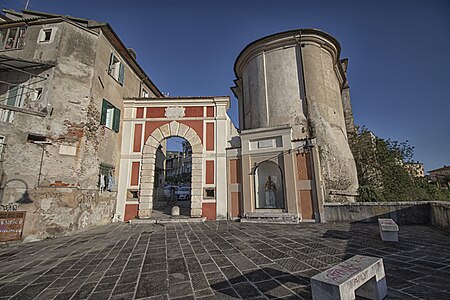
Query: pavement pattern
[[218, 260]]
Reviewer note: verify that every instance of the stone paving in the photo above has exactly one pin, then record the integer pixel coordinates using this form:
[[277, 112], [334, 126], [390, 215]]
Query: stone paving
[[218, 260]]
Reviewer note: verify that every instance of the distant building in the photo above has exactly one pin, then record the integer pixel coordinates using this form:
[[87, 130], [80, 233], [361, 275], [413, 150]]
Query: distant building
[[415, 169], [441, 177]]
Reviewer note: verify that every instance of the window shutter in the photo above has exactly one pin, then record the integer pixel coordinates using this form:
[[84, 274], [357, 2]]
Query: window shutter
[[121, 73], [12, 95], [104, 111], [116, 124], [111, 59]]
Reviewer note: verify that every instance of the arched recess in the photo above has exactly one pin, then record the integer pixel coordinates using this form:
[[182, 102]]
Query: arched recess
[[262, 172], [172, 129]]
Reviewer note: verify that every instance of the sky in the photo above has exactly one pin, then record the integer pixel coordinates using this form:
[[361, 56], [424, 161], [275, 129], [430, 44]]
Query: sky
[[398, 50]]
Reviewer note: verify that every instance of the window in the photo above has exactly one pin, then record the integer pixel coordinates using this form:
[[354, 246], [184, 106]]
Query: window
[[14, 96], [145, 93], [2, 144], [116, 68], [12, 38], [45, 35], [106, 180], [209, 193], [110, 116]]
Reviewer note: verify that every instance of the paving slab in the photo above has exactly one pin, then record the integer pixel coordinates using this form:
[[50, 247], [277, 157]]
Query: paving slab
[[218, 260]]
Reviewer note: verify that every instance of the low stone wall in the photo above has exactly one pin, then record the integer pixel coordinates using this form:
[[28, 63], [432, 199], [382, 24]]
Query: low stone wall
[[440, 214], [400, 212], [58, 211]]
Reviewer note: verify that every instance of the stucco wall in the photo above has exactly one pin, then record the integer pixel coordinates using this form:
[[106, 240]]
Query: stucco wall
[[296, 78], [440, 214], [59, 191]]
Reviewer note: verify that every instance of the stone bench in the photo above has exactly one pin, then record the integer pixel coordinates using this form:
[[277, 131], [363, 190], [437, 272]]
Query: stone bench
[[360, 275], [388, 230]]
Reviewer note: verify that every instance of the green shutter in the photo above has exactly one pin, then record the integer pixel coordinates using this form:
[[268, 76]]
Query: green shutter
[[12, 95], [111, 59], [116, 121], [121, 73], [104, 111]]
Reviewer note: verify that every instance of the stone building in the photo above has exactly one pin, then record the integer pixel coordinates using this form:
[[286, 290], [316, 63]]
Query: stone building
[[291, 154], [62, 84], [295, 112], [83, 129], [441, 176], [415, 169]]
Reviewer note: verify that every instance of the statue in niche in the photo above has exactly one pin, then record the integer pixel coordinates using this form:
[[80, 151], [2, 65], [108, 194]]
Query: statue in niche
[[270, 189]]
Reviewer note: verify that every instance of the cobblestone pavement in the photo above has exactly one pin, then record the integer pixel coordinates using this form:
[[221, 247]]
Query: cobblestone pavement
[[218, 260]]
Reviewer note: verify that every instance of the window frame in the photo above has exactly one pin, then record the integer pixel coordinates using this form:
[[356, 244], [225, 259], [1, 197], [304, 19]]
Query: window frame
[[115, 122], [2, 146], [116, 69], [43, 35], [19, 36]]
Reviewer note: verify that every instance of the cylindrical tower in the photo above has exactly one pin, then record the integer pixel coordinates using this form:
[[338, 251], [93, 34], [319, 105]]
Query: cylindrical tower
[[296, 78]]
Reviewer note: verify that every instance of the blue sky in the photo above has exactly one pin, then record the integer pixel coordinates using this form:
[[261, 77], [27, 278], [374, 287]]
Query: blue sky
[[399, 53]]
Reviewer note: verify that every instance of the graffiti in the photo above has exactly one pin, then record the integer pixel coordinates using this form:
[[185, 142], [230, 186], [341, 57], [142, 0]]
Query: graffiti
[[341, 271], [10, 207], [347, 268], [85, 198]]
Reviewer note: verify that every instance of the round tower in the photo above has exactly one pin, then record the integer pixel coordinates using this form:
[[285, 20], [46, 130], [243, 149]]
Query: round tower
[[296, 78]]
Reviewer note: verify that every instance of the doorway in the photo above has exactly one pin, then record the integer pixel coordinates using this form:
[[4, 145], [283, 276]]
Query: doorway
[[173, 176]]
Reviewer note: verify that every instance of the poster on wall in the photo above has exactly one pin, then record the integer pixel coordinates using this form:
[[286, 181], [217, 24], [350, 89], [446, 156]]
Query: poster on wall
[[11, 225]]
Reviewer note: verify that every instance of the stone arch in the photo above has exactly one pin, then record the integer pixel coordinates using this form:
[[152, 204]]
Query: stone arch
[[172, 129]]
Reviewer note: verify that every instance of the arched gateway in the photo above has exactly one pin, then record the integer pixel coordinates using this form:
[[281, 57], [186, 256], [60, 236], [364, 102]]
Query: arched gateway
[[203, 123]]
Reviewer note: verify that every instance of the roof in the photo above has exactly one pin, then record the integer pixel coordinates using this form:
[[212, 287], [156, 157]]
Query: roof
[[288, 33], [28, 16], [444, 168]]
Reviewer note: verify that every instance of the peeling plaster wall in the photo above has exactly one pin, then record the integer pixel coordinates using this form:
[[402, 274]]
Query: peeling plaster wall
[[326, 115], [295, 78], [58, 189]]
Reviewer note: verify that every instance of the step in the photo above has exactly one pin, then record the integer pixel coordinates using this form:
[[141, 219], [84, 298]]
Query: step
[[270, 217], [168, 220]]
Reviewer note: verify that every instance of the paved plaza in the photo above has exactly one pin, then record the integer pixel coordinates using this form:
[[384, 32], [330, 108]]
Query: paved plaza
[[218, 260]]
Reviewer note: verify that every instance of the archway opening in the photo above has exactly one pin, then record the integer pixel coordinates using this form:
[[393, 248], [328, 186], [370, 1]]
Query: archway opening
[[173, 175]]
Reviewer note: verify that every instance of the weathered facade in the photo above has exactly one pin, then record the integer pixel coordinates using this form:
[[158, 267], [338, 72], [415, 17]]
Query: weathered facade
[[62, 86], [295, 112], [82, 126]]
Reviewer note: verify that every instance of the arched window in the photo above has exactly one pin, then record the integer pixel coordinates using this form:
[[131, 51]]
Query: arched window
[[269, 186]]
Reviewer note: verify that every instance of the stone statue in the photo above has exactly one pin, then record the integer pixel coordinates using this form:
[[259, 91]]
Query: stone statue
[[270, 188]]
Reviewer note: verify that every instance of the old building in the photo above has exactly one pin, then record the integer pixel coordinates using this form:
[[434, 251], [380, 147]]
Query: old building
[[415, 169], [83, 129], [295, 112], [62, 84], [441, 177]]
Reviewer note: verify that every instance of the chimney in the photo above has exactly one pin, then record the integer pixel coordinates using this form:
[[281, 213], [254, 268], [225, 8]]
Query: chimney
[[132, 52]]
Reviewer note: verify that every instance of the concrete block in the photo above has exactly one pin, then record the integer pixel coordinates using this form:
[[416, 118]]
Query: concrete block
[[175, 211], [198, 148], [190, 135], [196, 198], [196, 212], [174, 128], [147, 180], [182, 130], [149, 149], [145, 213], [157, 135], [152, 142], [360, 275], [165, 130], [388, 230]]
